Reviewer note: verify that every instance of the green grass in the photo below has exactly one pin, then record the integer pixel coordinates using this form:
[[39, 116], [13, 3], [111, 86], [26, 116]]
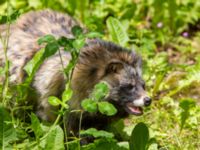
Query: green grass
[[165, 33]]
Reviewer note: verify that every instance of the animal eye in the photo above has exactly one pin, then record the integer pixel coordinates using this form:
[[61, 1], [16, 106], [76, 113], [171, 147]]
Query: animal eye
[[142, 83], [130, 87]]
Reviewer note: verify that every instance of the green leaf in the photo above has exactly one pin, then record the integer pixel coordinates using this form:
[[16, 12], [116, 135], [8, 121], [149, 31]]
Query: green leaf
[[97, 133], [139, 137], [19, 4], [54, 101], [66, 95], [34, 4], [104, 144], [100, 91], [107, 108], [116, 31], [35, 124], [77, 31], [186, 105], [7, 131], [73, 145], [69, 67], [65, 42], [94, 35], [89, 105], [32, 66], [50, 49], [46, 39], [55, 139], [78, 43]]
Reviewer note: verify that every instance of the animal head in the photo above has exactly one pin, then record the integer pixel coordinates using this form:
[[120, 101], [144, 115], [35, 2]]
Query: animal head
[[127, 88], [120, 68]]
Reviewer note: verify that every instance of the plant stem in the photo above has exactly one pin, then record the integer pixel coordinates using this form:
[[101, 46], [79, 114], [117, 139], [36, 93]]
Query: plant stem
[[79, 136], [5, 42]]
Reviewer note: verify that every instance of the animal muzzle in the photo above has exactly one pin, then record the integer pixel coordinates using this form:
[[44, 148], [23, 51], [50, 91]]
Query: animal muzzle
[[135, 107], [142, 101]]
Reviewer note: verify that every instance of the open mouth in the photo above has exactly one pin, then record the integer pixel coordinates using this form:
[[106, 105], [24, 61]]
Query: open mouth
[[135, 110]]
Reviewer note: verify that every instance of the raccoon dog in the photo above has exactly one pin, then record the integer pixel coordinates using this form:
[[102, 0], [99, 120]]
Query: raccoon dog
[[98, 61]]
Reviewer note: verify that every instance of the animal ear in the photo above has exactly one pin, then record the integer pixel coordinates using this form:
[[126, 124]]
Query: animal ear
[[114, 67]]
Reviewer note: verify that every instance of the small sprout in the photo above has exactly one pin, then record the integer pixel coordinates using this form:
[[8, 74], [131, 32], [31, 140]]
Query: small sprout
[[94, 103], [100, 91], [54, 101], [89, 105]]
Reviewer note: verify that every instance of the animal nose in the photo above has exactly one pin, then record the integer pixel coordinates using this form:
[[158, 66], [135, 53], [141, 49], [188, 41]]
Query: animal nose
[[147, 101]]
